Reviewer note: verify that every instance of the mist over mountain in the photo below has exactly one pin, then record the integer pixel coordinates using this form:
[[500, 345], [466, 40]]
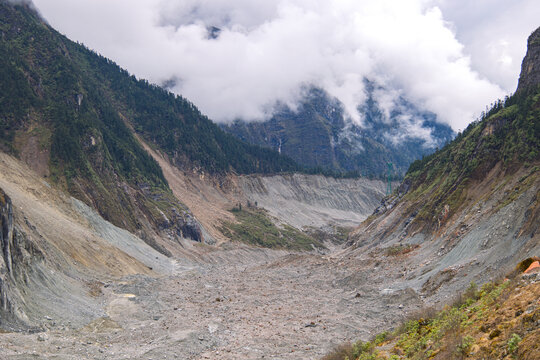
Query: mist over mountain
[[267, 52], [127, 216], [318, 132], [71, 115]]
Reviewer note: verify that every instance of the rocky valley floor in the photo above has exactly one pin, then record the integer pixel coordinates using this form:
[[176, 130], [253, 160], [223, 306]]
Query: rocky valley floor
[[234, 304], [99, 292]]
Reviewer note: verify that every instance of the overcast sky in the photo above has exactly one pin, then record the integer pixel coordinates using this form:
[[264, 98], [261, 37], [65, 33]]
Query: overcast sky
[[451, 57]]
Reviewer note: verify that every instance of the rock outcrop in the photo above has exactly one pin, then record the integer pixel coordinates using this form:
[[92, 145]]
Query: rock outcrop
[[530, 67], [17, 253], [6, 238], [6, 235]]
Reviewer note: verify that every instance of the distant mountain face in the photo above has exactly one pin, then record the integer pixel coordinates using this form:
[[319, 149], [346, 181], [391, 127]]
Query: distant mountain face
[[318, 134]]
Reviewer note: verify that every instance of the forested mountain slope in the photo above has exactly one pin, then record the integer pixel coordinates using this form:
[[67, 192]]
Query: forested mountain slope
[[70, 114]]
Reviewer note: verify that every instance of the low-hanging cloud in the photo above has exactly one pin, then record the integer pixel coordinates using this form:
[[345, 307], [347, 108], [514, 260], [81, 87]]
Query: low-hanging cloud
[[267, 52]]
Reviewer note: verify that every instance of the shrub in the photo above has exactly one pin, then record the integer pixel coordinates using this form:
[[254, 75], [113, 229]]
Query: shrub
[[380, 338], [465, 345], [343, 351], [513, 343]]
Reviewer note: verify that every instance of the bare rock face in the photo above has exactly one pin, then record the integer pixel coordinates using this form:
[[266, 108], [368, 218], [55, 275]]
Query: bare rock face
[[6, 240], [314, 200], [190, 229], [530, 67], [6, 235], [9, 239]]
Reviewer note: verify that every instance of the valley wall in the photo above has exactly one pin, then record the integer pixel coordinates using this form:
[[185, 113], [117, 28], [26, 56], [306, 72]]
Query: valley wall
[[314, 200], [299, 200], [496, 229], [55, 250]]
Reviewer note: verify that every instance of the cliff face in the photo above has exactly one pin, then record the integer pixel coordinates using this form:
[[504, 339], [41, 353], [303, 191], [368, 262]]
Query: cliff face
[[6, 235], [530, 67], [18, 253], [6, 239]]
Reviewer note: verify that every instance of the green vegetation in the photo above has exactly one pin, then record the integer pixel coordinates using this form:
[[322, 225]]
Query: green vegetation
[[399, 249], [513, 343], [356, 351], [447, 330], [177, 127], [487, 322], [508, 133], [254, 226], [49, 89], [83, 110], [337, 235]]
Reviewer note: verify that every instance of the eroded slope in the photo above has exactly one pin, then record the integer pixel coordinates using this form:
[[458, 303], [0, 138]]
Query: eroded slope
[[54, 248], [470, 210]]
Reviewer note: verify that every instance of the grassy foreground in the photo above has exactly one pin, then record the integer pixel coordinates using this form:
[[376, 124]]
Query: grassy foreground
[[496, 321]]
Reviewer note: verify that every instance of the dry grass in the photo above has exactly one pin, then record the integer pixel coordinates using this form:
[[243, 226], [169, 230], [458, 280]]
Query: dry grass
[[341, 352], [400, 249], [495, 321]]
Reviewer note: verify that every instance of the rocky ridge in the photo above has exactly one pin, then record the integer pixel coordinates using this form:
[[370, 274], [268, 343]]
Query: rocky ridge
[[530, 67]]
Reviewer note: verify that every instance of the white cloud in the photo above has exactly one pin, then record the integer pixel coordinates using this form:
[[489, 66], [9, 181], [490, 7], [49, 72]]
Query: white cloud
[[494, 33], [411, 127], [268, 50]]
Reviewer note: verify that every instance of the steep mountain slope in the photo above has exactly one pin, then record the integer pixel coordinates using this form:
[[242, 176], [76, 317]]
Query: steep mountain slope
[[318, 135], [55, 249], [471, 209], [70, 113], [463, 216], [90, 287]]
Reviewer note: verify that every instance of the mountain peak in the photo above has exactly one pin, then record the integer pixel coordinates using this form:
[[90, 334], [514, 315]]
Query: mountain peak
[[530, 67]]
